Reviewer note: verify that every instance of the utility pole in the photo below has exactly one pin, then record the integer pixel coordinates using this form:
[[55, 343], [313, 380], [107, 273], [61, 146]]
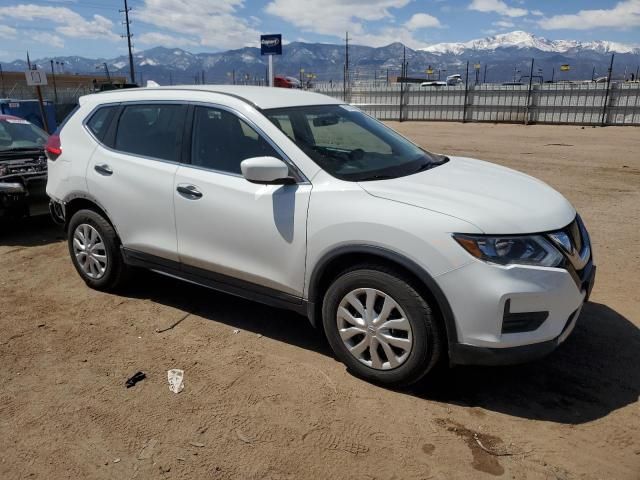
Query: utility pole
[[466, 94], [606, 94], [55, 88], [203, 81], [402, 78], [346, 66], [106, 69], [526, 110], [1, 81], [127, 23], [484, 76]]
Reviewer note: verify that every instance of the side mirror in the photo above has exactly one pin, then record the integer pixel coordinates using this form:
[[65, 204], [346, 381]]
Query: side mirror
[[269, 170]]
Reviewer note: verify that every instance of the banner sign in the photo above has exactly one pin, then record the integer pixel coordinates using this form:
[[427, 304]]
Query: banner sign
[[35, 78], [271, 44]]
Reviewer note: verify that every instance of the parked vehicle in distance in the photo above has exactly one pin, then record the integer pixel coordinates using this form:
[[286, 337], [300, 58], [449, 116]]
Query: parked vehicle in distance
[[286, 82], [23, 168], [433, 83], [455, 79], [403, 257]]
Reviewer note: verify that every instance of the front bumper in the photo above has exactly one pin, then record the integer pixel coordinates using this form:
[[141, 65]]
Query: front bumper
[[484, 297], [463, 354], [24, 195]]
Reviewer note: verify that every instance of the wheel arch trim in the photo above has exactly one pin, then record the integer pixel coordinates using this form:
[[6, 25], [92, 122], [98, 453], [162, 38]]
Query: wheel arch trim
[[388, 255], [77, 195]]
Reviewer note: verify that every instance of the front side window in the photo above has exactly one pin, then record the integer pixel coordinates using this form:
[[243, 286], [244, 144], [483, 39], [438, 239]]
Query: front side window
[[221, 141], [152, 130], [351, 145]]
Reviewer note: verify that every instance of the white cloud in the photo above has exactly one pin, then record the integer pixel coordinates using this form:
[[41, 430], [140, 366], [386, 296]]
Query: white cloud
[[624, 14], [503, 24], [47, 38], [70, 23], [333, 17], [388, 35], [422, 20], [157, 38], [537, 13], [7, 32], [497, 6], [214, 24]]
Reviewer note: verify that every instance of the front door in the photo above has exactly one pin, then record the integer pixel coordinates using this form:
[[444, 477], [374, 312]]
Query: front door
[[230, 227]]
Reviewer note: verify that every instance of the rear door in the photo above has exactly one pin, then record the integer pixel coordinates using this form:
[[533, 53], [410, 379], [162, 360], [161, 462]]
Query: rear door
[[231, 229], [131, 174]]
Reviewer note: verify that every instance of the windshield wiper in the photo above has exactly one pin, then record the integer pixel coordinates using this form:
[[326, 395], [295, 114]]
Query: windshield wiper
[[377, 177]]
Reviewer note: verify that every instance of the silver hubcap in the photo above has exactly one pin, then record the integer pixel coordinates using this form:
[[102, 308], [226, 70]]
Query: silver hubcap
[[90, 251], [374, 328]]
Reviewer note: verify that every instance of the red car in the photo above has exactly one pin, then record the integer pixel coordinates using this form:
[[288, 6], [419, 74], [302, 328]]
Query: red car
[[286, 82]]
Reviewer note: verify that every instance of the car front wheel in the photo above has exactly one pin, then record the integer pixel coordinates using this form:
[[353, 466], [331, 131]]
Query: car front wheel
[[379, 325]]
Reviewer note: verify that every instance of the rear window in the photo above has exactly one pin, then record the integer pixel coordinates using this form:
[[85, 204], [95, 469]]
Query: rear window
[[151, 130], [100, 121]]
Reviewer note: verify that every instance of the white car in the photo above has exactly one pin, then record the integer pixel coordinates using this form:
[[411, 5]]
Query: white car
[[404, 258]]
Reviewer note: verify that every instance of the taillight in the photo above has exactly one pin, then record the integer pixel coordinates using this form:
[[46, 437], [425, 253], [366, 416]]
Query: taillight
[[53, 148]]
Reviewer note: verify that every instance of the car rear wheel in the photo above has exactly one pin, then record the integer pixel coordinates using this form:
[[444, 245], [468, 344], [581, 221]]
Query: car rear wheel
[[379, 325], [94, 249]]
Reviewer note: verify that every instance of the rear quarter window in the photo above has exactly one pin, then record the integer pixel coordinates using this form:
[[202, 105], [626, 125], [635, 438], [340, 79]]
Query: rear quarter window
[[100, 120]]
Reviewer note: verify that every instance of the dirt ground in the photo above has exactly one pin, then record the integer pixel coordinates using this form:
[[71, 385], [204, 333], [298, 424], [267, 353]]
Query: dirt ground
[[269, 401]]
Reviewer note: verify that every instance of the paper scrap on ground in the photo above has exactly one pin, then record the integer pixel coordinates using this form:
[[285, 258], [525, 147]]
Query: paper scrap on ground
[[176, 380]]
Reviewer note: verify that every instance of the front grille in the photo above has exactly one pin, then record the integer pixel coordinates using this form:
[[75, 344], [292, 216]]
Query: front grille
[[573, 230], [23, 165], [573, 242]]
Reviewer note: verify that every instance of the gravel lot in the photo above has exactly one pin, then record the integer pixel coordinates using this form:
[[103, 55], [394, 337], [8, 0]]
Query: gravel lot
[[271, 402]]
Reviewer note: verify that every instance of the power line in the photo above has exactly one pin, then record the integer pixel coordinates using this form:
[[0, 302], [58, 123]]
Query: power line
[[127, 22]]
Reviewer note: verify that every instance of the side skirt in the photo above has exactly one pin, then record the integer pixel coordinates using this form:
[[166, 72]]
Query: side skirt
[[215, 281]]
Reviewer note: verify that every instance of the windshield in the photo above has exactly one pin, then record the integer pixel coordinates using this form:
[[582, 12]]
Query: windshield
[[18, 134], [351, 145]]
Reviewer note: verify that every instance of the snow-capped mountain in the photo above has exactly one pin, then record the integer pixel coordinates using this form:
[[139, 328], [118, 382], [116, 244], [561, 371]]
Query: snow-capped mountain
[[504, 56], [525, 40]]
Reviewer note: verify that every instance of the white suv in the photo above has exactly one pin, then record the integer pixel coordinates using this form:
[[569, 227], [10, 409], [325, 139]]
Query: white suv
[[403, 257]]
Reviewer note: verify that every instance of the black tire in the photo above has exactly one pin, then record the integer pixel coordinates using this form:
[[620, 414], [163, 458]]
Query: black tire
[[116, 271], [427, 336]]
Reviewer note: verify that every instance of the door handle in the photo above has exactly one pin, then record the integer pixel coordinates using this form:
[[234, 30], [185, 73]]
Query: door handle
[[189, 191], [103, 169]]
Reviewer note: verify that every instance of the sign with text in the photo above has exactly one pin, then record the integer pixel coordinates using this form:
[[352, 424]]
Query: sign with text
[[271, 44], [35, 78]]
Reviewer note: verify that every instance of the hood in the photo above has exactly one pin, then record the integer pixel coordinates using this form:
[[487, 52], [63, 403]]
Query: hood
[[496, 199]]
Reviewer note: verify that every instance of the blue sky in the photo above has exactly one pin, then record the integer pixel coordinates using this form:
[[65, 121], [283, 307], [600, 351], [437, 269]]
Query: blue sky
[[92, 28]]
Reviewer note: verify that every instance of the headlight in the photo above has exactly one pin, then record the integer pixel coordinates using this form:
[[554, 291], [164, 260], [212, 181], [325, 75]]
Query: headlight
[[508, 250]]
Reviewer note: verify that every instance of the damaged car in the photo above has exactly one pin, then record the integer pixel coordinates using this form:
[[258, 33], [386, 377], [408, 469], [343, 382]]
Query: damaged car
[[23, 168]]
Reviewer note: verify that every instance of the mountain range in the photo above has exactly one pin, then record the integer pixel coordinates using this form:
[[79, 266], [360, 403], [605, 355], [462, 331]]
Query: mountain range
[[506, 57]]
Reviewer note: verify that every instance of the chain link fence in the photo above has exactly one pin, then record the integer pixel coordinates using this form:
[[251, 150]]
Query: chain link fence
[[552, 103]]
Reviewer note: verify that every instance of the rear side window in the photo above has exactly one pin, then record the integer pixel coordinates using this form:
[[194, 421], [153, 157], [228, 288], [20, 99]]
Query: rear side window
[[100, 121], [151, 130]]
